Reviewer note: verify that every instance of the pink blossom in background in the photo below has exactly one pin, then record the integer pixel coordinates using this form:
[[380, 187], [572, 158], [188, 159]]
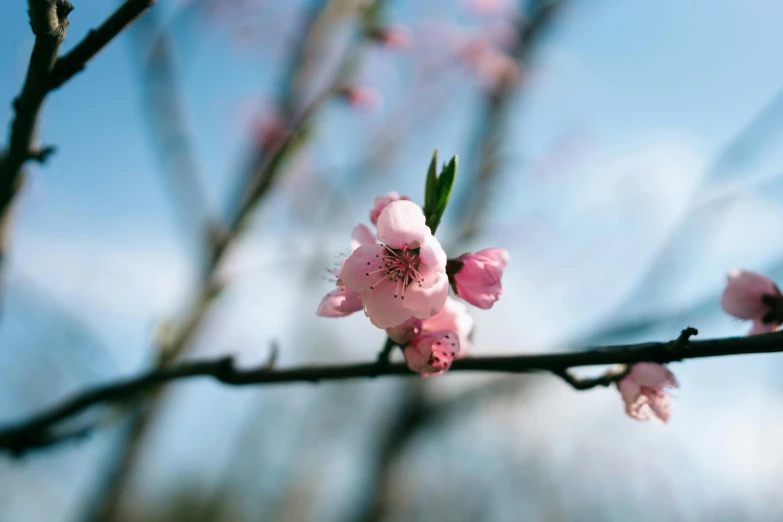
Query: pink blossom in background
[[490, 7], [270, 131], [405, 275], [431, 354], [454, 316], [493, 67], [381, 202], [406, 332], [361, 97], [396, 36], [643, 391], [753, 297], [477, 278], [342, 301], [504, 33]]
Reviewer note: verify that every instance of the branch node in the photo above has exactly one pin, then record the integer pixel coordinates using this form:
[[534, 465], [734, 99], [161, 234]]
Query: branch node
[[42, 154], [271, 361], [677, 348]]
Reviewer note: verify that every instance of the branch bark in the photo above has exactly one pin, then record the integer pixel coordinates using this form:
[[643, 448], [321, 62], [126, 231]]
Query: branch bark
[[49, 21], [38, 431]]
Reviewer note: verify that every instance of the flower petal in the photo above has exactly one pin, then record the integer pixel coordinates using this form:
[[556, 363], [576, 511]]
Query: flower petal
[[361, 235], [383, 309], [402, 223], [381, 203], [653, 375], [658, 402], [432, 254], [427, 300], [405, 332], [479, 280], [453, 316], [432, 353], [340, 302], [743, 294], [363, 261]]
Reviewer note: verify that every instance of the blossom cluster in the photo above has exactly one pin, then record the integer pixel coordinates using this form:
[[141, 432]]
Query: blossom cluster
[[748, 296], [400, 276]]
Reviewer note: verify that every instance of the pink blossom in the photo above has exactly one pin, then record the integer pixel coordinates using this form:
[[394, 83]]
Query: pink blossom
[[270, 131], [454, 316], [752, 296], [476, 278], [361, 97], [493, 67], [431, 354], [342, 301], [394, 37], [381, 202], [643, 391], [406, 332], [405, 275], [490, 7]]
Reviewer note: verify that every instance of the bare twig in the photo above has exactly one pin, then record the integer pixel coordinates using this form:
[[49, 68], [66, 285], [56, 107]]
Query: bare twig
[[492, 124], [49, 21], [263, 168], [170, 135], [36, 432], [76, 59]]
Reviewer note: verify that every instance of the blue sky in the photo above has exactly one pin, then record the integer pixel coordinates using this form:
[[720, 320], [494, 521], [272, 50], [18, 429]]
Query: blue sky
[[650, 92]]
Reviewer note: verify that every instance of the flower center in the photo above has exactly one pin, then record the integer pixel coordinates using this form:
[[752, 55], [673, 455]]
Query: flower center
[[775, 313], [398, 266]]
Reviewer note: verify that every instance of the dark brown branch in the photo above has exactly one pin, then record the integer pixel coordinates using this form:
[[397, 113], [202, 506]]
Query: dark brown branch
[[492, 126], [49, 21], [76, 59], [36, 432], [617, 372]]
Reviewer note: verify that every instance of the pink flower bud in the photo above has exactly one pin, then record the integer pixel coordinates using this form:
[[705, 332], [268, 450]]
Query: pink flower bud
[[454, 316], [476, 278], [360, 97], [643, 391], [753, 297], [431, 354], [493, 67], [381, 202], [270, 131], [406, 332], [394, 37]]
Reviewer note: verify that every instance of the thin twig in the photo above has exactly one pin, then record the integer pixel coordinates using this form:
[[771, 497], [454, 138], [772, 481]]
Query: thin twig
[[76, 59], [49, 21], [36, 432], [493, 121]]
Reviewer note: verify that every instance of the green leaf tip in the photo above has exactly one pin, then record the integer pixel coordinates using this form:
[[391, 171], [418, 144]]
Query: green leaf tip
[[438, 190]]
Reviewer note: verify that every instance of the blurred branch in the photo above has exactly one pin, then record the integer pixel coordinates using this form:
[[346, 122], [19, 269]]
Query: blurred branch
[[412, 415], [76, 59], [492, 128], [49, 21], [165, 113], [264, 165], [36, 432]]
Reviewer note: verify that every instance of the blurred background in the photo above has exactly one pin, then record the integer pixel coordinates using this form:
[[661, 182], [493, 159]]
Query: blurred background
[[626, 154]]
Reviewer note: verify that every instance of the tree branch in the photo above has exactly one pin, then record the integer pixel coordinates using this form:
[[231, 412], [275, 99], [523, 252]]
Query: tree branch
[[49, 21], [37, 431], [76, 59]]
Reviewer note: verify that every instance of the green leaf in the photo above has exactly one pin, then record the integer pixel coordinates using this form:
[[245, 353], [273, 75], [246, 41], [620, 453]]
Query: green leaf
[[430, 191], [443, 185]]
